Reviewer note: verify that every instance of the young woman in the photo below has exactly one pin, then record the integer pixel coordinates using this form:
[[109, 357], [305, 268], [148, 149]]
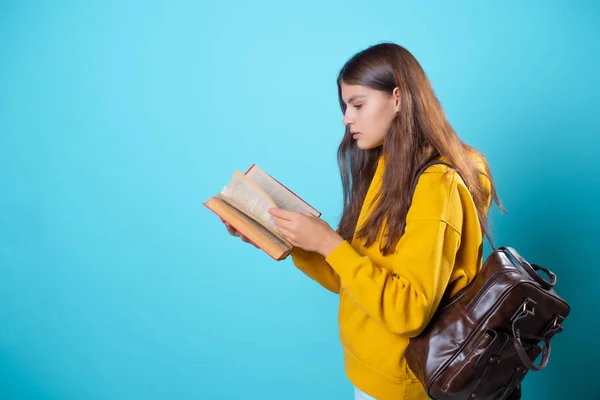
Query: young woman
[[393, 255]]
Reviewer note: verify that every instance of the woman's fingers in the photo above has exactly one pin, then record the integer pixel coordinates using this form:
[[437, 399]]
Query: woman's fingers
[[235, 232], [232, 231], [283, 223]]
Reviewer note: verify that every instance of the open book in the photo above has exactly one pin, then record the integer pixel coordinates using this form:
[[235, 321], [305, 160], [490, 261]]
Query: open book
[[244, 204]]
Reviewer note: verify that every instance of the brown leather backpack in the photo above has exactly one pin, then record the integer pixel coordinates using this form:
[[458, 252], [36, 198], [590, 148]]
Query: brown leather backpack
[[481, 342]]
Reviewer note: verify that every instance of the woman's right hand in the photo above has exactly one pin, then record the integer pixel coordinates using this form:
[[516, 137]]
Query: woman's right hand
[[234, 232]]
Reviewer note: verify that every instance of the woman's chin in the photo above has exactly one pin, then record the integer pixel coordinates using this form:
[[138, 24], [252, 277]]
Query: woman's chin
[[364, 145]]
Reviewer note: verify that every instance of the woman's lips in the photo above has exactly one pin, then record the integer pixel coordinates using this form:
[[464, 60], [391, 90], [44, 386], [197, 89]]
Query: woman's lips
[[355, 135]]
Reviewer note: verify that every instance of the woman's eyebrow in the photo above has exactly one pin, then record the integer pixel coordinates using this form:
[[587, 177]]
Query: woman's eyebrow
[[356, 96]]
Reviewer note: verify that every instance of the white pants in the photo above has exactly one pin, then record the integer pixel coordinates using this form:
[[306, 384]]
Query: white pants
[[360, 395]]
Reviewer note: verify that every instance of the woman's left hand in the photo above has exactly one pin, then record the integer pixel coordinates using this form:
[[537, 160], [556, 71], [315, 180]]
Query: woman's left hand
[[306, 231]]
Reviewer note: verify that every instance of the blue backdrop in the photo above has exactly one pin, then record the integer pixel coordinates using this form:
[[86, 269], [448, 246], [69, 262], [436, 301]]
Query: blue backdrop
[[117, 120]]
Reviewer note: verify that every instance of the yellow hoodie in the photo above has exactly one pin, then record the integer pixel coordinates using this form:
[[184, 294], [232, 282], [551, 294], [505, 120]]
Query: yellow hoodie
[[386, 300]]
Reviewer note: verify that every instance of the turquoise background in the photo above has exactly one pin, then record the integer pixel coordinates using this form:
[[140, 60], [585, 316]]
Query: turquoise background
[[119, 118]]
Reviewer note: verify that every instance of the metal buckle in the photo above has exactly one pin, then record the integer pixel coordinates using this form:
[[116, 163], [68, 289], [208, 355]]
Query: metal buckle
[[523, 310]]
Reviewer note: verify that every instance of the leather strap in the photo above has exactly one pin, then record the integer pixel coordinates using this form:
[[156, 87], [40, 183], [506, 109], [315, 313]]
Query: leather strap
[[515, 381], [531, 269], [554, 328]]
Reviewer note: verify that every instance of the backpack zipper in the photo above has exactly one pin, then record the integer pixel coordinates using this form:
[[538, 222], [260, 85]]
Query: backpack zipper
[[485, 288]]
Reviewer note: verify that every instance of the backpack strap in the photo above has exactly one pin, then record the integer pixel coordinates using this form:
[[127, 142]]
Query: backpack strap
[[435, 161]]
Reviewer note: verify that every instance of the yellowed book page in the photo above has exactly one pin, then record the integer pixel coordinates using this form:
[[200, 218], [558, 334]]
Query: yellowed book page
[[280, 243], [256, 221], [248, 196], [279, 193]]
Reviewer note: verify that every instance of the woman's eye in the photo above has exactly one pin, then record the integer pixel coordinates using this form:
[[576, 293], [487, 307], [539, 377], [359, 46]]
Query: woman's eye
[[358, 106]]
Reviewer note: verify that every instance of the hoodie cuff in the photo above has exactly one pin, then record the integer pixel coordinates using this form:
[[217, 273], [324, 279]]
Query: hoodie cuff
[[342, 256]]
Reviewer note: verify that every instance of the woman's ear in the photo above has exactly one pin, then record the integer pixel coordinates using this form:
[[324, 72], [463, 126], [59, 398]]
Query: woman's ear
[[396, 96]]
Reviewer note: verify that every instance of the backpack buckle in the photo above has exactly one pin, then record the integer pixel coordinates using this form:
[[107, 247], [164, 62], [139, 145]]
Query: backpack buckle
[[554, 327], [526, 309]]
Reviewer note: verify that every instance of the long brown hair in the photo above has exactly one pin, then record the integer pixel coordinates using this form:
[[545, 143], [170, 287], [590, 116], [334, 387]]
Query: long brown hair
[[419, 132]]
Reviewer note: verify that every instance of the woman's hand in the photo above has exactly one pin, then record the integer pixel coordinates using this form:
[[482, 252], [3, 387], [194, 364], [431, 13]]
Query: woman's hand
[[306, 231]]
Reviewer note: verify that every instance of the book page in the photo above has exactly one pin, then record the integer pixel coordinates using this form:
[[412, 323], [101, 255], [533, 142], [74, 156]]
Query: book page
[[279, 193], [241, 210], [280, 243], [251, 198]]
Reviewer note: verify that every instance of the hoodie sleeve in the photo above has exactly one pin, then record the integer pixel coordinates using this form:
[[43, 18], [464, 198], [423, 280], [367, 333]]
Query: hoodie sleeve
[[404, 298], [314, 266]]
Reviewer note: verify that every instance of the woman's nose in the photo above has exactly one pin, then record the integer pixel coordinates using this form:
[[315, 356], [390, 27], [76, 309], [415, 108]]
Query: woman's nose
[[347, 120]]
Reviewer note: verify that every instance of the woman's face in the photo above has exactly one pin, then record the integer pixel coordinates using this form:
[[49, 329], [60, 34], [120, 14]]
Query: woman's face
[[369, 113]]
